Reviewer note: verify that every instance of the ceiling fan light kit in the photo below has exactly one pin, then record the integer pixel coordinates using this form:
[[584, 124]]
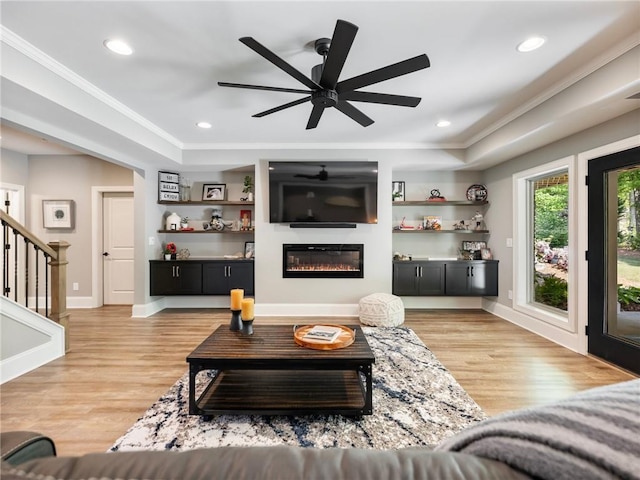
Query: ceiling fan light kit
[[325, 90]]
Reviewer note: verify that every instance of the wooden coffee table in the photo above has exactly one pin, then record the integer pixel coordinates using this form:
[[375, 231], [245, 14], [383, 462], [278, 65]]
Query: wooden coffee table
[[267, 373]]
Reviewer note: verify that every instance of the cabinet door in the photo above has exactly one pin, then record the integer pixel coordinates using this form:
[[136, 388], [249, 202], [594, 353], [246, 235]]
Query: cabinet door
[[241, 276], [457, 278], [175, 278], [483, 279], [431, 278], [214, 278], [405, 278]]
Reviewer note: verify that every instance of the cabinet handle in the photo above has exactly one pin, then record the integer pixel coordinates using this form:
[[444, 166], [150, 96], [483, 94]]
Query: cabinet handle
[[177, 271], [417, 271], [472, 271], [229, 270], [173, 271], [420, 270]]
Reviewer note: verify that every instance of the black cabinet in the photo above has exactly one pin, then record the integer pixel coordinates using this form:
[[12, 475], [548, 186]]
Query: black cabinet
[[472, 278], [218, 278], [200, 277], [454, 278], [418, 278], [175, 278]]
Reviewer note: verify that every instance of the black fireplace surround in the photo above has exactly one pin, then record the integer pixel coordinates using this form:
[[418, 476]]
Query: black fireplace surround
[[322, 260]]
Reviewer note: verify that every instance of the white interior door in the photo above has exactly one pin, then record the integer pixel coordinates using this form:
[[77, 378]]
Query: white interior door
[[118, 248]]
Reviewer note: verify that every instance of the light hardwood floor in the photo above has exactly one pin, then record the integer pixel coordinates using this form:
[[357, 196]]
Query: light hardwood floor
[[118, 366]]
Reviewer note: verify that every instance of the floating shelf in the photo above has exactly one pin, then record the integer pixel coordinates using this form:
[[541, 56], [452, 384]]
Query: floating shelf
[[206, 202], [225, 232], [463, 232], [438, 204]]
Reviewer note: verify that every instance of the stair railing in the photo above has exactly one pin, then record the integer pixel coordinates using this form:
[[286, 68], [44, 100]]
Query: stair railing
[[29, 258]]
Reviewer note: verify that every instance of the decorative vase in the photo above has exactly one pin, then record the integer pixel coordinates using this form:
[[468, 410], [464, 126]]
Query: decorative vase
[[167, 256], [173, 221], [250, 197]]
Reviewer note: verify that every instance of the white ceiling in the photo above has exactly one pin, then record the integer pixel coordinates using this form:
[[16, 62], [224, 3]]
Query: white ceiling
[[477, 79]]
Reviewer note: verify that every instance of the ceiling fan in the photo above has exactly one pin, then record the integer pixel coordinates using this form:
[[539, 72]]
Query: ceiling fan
[[325, 89], [322, 175]]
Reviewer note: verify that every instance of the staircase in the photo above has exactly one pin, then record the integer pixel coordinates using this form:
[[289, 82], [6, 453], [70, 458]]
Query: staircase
[[33, 305]]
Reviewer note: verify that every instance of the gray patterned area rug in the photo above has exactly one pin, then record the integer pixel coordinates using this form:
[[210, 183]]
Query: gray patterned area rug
[[416, 402]]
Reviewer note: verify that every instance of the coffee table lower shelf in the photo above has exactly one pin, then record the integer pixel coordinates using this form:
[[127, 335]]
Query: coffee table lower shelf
[[284, 392]]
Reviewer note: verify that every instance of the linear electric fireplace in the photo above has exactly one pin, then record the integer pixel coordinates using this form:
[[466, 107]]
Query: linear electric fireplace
[[322, 260]]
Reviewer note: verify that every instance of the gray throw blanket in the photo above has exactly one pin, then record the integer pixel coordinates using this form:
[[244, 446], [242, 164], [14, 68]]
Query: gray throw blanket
[[592, 435]]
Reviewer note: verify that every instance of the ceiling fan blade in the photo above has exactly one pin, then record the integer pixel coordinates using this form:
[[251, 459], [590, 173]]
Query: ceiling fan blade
[[385, 73], [387, 99], [352, 112], [282, 107], [314, 118], [279, 62], [341, 42], [261, 87]]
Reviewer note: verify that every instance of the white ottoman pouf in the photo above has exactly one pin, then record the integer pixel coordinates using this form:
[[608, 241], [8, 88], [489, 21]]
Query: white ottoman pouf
[[381, 310]]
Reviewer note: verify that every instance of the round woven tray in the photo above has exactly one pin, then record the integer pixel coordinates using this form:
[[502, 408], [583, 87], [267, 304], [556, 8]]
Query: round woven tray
[[347, 337]]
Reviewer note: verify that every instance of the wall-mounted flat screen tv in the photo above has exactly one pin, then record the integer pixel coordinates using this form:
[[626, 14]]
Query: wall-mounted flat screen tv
[[323, 192]]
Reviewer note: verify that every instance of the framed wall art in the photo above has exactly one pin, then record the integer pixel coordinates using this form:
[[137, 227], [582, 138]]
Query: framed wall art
[[245, 219], [58, 213], [214, 191], [168, 186]]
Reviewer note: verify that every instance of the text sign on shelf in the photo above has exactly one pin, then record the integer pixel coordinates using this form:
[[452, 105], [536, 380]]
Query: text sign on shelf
[[168, 186]]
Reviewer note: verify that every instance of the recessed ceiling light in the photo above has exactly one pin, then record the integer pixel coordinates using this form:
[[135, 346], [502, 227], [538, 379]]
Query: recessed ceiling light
[[443, 123], [203, 124], [531, 44], [118, 46]]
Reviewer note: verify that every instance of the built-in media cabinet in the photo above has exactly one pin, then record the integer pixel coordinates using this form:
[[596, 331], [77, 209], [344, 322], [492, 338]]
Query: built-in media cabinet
[[200, 276], [451, 277]]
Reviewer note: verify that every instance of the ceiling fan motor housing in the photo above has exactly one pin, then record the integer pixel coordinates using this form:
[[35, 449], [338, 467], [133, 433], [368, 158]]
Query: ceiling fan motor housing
[[325, 98]]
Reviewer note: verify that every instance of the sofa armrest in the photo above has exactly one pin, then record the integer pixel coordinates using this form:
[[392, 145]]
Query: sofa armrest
[[21, 446]]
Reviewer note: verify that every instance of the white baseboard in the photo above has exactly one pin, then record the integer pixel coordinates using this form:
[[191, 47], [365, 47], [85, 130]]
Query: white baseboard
[[307, 310], [552, 333]]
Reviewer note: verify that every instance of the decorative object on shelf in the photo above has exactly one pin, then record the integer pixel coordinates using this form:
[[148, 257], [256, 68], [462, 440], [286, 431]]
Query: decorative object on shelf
[[460, 226], [216, 212], [397, 191], [249, 249], [214, 191], [477, 193], [402, 256], [432, 222], [184, 223], [247, 187], [58, 213], [485, 254], [477, 221], [471, 250], [434, 196], [168, 186], [173, 221], [217, 224], [245, 219], [236, 308], [185, 190], [170, 250], [404, 226], [247, 315], [183, 254]]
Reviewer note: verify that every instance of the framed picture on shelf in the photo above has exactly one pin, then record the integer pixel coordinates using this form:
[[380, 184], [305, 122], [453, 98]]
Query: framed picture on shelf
[[168, 186], [474, 246], [249, 249], [245, 219], [214, 191], [432, 222], [397, 191], [485, 254], [58, 213]]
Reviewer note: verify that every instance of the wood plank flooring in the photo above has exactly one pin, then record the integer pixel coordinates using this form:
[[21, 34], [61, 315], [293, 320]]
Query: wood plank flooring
[[118, 366]]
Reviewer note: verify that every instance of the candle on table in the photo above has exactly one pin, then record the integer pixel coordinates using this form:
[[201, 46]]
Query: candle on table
[[236, 298], [247, 309]]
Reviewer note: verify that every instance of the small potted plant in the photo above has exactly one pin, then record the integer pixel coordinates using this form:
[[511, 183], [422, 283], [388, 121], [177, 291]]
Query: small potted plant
[[170, 251], [184, 222], [247, 188]]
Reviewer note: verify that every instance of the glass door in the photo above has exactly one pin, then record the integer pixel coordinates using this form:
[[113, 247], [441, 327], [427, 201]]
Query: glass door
[[614, 258]]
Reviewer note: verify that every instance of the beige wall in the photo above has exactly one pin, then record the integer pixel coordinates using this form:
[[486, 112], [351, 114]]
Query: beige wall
[[70, 177]]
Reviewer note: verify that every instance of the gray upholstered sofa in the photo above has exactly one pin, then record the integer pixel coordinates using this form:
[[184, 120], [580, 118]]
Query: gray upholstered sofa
[[592, 435]]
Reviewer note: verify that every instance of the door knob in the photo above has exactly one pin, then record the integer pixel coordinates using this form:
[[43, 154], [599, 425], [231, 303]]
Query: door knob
[[105, 254]]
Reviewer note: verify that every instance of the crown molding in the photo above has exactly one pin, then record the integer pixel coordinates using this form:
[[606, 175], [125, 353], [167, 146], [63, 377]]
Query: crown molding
[[319, 146], [18, 43]]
